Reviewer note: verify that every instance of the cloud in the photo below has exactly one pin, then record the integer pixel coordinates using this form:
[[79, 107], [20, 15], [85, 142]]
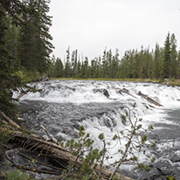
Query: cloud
[[92, 25]]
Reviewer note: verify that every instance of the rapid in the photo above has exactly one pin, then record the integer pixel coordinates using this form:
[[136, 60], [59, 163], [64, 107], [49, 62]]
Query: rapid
[[63, 105]]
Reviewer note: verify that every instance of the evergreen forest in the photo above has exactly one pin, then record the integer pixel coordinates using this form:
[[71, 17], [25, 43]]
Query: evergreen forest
[[25, 47], [159, 63]]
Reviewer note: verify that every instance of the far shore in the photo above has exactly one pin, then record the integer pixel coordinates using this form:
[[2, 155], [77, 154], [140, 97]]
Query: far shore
[[170, 82]]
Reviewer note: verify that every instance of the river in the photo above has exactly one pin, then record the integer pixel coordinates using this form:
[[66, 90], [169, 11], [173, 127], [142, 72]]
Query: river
[[64, 105]]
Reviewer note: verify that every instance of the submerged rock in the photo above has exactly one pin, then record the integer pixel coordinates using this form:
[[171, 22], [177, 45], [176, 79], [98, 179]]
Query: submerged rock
[[103, 91]]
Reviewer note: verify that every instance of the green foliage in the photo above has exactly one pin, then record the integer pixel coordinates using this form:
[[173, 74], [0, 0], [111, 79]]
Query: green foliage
[[5, 134], [123, 118], [144, 167], [170, 178], [12, 77], [153, 159], [101, 136], [167, 59], [17, 175], [144, 139], [34, 45]]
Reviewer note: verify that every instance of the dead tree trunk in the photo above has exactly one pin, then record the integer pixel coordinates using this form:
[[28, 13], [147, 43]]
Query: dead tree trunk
[[34, 142], [149, 99]]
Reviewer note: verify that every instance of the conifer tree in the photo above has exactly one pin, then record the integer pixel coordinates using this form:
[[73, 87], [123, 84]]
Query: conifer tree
[[156, 63], [51, 69], [9, 81], [166, 66], [173, 47], [68, 70], [178, 65], [58, 69], [34, 41]]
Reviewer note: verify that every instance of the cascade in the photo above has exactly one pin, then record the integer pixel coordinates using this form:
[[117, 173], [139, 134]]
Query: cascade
[[63, 105]]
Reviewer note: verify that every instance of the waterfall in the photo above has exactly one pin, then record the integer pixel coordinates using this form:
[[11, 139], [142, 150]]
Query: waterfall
[[63, 105]]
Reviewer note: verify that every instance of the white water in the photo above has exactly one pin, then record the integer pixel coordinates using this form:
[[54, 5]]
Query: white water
[[85, 92]]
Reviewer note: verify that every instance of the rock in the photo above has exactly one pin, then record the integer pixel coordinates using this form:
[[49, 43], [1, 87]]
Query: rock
[[166, 170], [165, 167], [106, 93], [103, 91], [153, 174], [175, 158], [166, 81], [44, 78]]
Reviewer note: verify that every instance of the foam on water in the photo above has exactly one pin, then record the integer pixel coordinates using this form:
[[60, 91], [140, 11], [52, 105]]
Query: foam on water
[[83, 92], [110, 123]]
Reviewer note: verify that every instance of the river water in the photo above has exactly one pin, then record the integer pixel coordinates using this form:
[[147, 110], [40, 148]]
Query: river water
[[64, 105]]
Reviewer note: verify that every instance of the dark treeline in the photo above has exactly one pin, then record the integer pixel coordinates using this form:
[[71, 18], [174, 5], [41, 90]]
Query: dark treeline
[[25, 46], [161, 62]]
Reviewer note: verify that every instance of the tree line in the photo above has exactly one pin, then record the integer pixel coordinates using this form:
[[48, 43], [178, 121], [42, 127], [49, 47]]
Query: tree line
[[158, 63]]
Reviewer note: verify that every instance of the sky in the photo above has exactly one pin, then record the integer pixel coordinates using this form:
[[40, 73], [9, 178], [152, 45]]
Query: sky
[[90, 26]]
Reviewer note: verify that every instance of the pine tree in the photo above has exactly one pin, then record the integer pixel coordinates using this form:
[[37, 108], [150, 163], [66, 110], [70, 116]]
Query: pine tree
[[11, 43], [34, 41], [166, 66], [58, 68], [173, 47], [156, 62], [178, 65], [9, 81], [51, 70]]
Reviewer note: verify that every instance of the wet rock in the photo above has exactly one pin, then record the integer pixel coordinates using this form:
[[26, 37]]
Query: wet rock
[[165, 167], [166, 170], [103, 91], [153, 174], [44, 78], [175, 158], [166, 81]]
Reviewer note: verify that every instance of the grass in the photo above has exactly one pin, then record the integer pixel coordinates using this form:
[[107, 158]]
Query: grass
[[172, 81], [109, 79]]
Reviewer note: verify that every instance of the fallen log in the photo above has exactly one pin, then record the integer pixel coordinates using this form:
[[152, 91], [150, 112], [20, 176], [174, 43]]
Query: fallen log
[[10, 121], [34, 142], [124, 91], [149, 99]]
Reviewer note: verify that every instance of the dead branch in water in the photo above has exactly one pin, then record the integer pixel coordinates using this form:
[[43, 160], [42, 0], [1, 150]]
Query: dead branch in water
[[149, 99]]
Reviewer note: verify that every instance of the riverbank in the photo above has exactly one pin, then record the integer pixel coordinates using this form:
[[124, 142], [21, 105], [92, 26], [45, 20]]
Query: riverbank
[[171, 81], [25, 155]]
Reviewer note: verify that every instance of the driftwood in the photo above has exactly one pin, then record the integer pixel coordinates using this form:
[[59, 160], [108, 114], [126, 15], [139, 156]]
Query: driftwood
[[149, 99], [34, 142], [124, 91]]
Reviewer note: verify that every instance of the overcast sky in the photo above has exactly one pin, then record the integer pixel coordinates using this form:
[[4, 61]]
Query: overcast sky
[[90, 26]]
